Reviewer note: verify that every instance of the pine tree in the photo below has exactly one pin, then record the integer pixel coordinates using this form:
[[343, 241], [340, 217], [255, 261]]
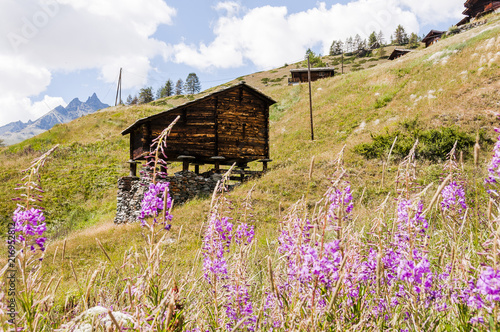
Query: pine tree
[[358, 43], [192, 84], [349, 45], [129, 100], [372, 39], [400, 36], [332, 48], [380, 38], [179, 87], [314, 60], [168, 89], [146, 95], [336, 48], [414, 40]]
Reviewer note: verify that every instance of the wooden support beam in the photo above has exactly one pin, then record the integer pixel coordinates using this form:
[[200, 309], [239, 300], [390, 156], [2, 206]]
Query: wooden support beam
[[185, 161], [133, 167], [264, 164], [217, 160]]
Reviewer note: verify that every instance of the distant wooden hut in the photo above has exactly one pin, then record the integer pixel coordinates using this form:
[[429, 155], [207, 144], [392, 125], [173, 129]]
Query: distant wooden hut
[[225, 127], [398, 52], [478, 8], [432, 37], [300, 75]]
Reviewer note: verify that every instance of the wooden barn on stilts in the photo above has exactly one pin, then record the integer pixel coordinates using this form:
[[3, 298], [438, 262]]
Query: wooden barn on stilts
[[225, 127]]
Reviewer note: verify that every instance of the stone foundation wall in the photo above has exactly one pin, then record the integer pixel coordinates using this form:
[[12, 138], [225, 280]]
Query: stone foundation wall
[[183, 186]]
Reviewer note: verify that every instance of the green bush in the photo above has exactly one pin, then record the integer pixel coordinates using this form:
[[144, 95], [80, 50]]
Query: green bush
[[434, 144], [382, 101]]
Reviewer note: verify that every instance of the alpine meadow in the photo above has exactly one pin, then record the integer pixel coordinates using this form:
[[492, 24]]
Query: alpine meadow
[[388, 220]]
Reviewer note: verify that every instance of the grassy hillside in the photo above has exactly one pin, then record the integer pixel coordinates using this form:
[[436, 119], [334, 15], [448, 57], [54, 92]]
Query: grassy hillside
[[452, 84]]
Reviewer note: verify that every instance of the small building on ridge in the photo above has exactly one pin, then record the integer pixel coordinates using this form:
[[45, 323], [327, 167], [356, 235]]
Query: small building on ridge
[[432, 37], [398, 52], [300, 75]]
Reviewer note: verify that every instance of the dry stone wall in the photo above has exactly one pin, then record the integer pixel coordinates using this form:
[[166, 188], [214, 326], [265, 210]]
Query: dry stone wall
[[183, 186]]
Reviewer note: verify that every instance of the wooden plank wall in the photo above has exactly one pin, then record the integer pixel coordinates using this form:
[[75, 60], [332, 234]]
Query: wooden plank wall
[[242, 126], [233, 124]]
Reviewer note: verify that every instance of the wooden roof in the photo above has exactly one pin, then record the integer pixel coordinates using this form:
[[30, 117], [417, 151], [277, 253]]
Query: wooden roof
[[432, 34], [470, 3], [480, 7], [398, 52], [269, 101]]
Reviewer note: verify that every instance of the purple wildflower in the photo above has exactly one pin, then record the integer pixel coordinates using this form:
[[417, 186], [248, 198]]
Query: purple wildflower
[[153, 203], [411, 215], [216, 242], [244, 234], [494, 167], [239, 306], [488, 284], [454, 199], [31, 226], [340, 202]]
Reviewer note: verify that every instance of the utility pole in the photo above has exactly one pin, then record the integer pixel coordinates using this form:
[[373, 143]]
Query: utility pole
[[119, 90], [342, 62], [310, 96]]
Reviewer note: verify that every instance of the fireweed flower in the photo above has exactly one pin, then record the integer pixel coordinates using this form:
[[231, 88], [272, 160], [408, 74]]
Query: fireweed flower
[[454, 199], [411, 215], [488, 285], [494, 168], [30, 225], [483, 293], [153, 203], [218, 237], [340, 203], [271, 312], [244, 234], [239, 306]]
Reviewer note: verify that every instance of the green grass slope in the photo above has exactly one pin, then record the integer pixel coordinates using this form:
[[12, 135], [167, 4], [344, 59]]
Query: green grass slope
[[454, 83]]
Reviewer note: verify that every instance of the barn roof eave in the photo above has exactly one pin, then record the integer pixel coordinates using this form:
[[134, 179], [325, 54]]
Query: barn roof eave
[[432, 34], [268, 100]]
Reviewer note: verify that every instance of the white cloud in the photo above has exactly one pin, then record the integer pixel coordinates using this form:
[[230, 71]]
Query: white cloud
[[432, 11], [43, 36], [232, 8], [22, 108], [47, 104], [270, 36]]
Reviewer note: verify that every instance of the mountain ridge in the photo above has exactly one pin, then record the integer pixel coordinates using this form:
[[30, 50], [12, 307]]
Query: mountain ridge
[[18, 131]]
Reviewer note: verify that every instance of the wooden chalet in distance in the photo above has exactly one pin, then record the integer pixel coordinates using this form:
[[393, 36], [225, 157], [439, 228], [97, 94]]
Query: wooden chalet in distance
[[478, 8], [225, 127], [300, 75], [432, 37], [398, 52]]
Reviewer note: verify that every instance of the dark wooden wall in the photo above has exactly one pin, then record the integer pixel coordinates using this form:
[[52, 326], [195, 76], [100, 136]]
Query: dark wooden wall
[[232, 124], [315, 75]]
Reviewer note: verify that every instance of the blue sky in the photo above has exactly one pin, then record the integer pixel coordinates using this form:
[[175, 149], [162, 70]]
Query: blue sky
[[52, 51]]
